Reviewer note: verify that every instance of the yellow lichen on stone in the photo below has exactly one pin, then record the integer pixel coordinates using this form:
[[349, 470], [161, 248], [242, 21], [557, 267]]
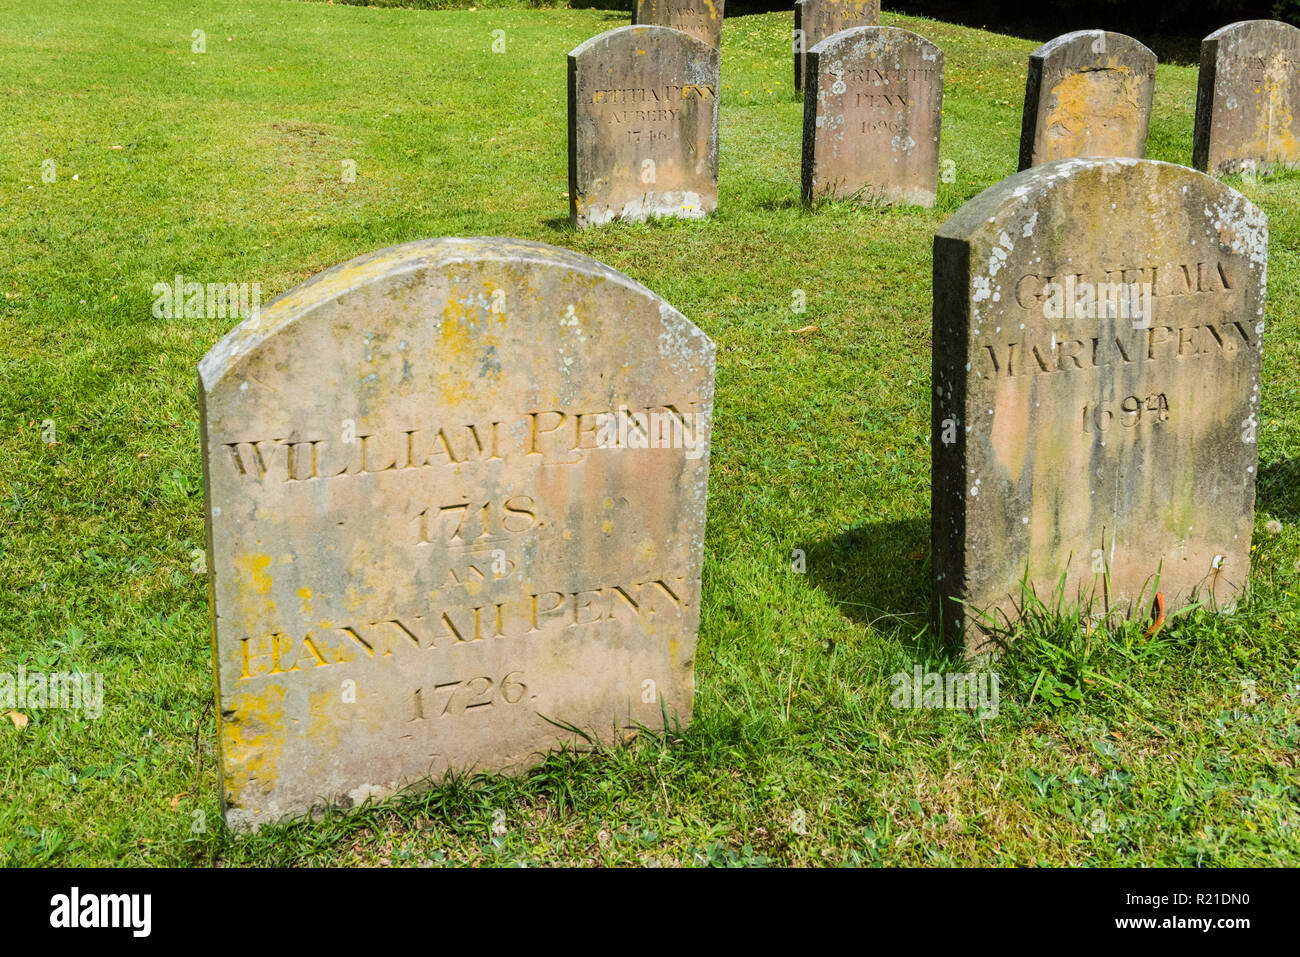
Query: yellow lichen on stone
[[251, 740], [1092, 113]]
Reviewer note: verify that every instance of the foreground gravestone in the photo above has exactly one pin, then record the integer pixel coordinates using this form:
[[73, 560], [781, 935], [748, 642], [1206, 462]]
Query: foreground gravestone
[[872, 109], [643, 126], [1088, 94], [1098, 329], [815, 20], [455, 493], [1248, 98], [702, 19]]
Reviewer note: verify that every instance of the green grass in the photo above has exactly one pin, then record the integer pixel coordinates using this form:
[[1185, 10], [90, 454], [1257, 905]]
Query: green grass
[[225, 166]]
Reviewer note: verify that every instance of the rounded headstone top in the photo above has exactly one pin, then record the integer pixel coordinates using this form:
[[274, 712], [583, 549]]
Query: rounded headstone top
[[1111, 45], [1244, 26], [876, 37], [395, 266], [648, 32], [1013, 201]]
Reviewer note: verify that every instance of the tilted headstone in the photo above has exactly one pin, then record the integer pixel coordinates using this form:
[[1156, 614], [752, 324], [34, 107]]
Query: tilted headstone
[[643, 126], [1098, 331], [872, 109], [815, 20], [1248, 98], [455, 506], [702, 19], [1088, 94]]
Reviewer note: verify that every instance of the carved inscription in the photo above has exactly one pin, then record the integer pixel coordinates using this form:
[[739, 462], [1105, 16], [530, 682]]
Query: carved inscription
[[526, 616], [815, 20], [1061, 353], [455, 499], [458, 698], [1033, 347], [556, 436], [701, 19], [643, 112], [1099, 327], [872, 112], [1099, 416], [1248, 98]]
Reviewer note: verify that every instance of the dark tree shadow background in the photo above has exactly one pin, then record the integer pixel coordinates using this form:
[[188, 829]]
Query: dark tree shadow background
[[1172, 28]]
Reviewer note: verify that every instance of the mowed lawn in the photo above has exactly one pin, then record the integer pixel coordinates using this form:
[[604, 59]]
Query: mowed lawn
[[225, 166]]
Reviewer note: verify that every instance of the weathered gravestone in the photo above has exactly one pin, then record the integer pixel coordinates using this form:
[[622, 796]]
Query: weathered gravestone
[[455, 493], [872, 109], [1088, 94], [643, 126], [702, 19], [1248, 98], [1098, 329], [815, 20]]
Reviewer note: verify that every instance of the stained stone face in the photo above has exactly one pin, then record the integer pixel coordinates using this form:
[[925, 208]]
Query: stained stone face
[[872, 108], [1248, 98], [455, 492], [815, 20], [702, 19], [1089, 94], [1098, 328], [643, 126]]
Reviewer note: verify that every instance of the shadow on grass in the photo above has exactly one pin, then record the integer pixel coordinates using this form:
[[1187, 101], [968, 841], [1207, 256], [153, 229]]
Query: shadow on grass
[[879, 576], [611, 9], [1278, 492], [782, 203]]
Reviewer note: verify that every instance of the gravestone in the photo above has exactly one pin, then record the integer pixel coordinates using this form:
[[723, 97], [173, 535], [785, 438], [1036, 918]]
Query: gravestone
[[1088, 94], [702, 19], [815, 20], [1248, 98], [872, 110], [643, 126], [455, 503], [1098, 331]]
